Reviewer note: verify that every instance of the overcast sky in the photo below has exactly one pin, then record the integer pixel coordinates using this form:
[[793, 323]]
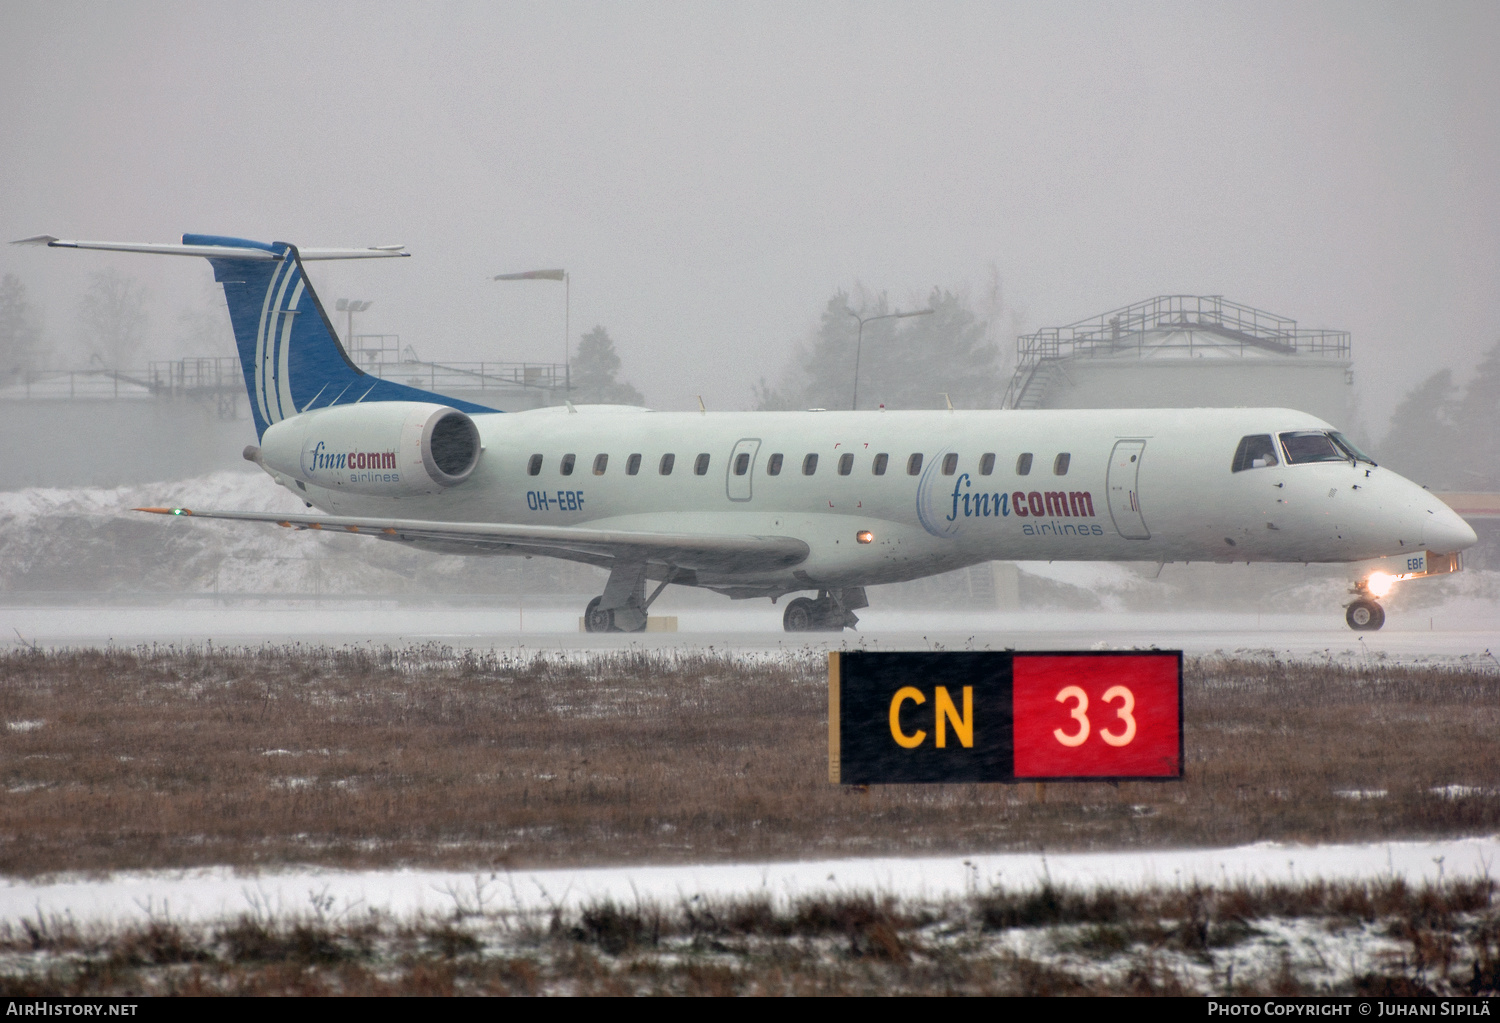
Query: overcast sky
[[711, 172]]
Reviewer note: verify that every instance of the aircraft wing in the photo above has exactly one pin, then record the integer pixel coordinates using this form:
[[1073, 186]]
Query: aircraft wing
[[709, 552]]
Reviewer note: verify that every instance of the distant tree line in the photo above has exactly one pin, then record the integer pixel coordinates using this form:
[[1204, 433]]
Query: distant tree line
[[1447, 437], [903, 364]]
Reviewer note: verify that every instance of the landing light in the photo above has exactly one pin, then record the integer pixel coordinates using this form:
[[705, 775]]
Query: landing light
[[865, 536], [1379, 583]]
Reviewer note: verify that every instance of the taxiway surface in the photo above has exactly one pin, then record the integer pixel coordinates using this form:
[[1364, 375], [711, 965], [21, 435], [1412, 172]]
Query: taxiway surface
[[1467, 629]]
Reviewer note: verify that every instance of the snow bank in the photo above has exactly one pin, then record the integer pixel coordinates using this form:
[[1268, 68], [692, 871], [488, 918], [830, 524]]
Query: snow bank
[[211, 894]]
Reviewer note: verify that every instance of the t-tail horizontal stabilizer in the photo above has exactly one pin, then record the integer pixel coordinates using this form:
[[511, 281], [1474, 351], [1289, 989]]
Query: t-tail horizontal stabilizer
[[289, 351]]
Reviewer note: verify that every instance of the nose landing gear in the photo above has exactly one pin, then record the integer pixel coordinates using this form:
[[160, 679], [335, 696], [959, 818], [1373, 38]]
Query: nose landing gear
[[1364, 615]]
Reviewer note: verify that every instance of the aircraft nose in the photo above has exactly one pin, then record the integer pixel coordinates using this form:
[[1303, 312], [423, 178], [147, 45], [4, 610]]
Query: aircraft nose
[[1444, 532]]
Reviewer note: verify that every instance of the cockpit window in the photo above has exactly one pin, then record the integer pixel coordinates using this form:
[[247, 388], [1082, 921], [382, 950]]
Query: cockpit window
[[1255, 452], [1311, 446], [1348, 445]]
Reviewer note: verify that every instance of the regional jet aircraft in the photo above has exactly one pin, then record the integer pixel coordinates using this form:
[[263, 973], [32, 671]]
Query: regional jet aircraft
[[765, 504]]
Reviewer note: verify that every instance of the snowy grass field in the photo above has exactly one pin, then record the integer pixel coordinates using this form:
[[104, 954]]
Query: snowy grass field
[[308, 819]]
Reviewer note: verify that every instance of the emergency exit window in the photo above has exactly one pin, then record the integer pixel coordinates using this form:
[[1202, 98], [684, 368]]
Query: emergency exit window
[[846, 464]]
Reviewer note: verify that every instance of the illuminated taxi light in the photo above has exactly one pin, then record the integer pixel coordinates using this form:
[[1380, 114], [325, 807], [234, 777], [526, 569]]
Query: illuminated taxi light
[[1379, 583], [865, 536]]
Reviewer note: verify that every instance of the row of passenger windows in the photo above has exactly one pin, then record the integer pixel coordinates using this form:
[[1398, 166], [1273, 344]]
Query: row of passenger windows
[[774, 464]]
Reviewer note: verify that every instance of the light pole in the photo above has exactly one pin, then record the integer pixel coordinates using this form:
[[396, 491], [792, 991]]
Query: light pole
[[350, 306], [860, 340], [553, 275]]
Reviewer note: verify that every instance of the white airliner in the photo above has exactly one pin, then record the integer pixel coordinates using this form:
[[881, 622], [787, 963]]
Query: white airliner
[[763, 504]]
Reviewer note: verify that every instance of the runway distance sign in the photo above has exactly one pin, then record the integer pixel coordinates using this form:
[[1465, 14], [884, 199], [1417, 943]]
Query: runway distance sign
[[971, 716]]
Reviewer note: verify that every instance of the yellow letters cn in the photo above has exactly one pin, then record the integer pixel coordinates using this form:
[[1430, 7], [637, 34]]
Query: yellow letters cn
[[963, 727], [915, 696]]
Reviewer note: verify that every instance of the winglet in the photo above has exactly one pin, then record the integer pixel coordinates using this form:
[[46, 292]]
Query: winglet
[[41, 239], [165, 511]]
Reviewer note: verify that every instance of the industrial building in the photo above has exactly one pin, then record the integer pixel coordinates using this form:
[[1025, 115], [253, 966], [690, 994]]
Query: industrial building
[[1184, 351]]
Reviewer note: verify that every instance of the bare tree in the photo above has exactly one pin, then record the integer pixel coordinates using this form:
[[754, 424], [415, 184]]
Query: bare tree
[[113, 314], [205, 330], [19, 333]]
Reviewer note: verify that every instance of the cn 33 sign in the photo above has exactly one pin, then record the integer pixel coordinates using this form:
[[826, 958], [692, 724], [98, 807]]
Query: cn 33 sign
[[1003, 716]]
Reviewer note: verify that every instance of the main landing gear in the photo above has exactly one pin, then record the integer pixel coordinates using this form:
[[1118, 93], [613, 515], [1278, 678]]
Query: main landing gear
[[623, 604], [832, 611]]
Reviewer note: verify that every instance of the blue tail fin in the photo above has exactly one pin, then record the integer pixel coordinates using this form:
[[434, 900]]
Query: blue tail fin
[[292, 358]]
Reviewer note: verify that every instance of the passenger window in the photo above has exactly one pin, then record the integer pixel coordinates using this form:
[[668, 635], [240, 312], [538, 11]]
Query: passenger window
[[632, 465], [1310, 446], [742, 463], [534, 467], [1023, 465], [1060, 464], [809, 465], [667, 461], [881, 460], [1255, 452], [914, 465], [773, 465], [950, 463], [700, 465], [601, 462], [846, 464], [567, 464], [987, 463]]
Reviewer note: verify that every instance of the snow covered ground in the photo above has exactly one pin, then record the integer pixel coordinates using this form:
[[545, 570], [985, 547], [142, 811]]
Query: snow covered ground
[[206, 895]]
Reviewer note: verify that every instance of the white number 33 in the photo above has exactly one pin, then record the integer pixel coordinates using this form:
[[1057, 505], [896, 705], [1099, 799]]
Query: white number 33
[[1080, 714]]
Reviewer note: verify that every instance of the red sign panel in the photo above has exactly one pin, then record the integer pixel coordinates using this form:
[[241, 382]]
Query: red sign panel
[[1101, 715]]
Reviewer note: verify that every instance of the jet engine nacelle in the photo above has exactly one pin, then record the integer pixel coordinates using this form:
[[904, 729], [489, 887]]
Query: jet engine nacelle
[[388, 448]]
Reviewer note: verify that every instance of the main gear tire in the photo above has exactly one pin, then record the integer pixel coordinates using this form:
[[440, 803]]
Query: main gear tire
[[597, 619], [801, 615], [1364, 616]]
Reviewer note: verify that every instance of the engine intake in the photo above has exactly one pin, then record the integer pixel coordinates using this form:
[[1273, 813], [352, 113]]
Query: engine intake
[[389, 448]]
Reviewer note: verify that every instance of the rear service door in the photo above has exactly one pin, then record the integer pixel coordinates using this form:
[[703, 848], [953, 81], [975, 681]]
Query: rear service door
[[741, 469], [1124, 494]]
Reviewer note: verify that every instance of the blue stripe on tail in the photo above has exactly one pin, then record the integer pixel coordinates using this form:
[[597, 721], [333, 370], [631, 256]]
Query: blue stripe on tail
[[291, 356]]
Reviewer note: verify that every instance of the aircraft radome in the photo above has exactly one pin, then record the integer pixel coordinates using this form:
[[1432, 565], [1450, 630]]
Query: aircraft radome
[[765, 504]]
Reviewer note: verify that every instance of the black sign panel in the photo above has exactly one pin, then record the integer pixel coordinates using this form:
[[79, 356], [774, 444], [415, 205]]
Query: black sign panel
[[1001, 716]]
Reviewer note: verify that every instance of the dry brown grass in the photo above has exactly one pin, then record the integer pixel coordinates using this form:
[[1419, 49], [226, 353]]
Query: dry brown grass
[[1379, 937], [171, 757]]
